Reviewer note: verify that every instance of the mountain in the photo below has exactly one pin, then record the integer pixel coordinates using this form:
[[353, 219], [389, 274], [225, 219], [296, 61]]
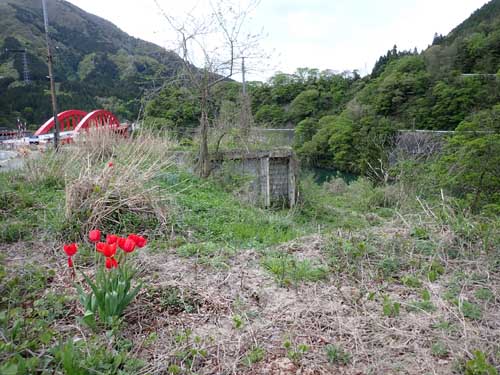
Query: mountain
[[471, 47], [95, 63]]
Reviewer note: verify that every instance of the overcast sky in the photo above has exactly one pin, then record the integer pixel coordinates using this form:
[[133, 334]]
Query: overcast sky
[[325, 34]]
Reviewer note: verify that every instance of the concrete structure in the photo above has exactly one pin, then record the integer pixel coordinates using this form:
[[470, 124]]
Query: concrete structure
[[270, 176]]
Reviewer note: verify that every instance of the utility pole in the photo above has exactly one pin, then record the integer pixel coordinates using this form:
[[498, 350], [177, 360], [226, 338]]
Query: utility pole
[[243, 75], [51, 77], [245, 111]]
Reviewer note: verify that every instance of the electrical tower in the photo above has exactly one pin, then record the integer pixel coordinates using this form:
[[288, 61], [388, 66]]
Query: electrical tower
[[26, 70]]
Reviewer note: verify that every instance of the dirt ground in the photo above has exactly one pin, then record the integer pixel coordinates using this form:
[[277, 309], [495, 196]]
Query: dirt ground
[[208, 319]]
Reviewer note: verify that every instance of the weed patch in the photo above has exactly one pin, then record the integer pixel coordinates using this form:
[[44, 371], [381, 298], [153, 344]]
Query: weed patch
[[337, 355], [287, 270]]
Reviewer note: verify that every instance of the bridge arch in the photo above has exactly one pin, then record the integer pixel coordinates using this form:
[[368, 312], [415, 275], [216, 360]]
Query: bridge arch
[[68, 120], [76, 121], [96, 119]]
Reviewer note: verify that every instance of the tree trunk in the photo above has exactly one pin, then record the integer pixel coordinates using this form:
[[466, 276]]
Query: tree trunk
[[204, 159]]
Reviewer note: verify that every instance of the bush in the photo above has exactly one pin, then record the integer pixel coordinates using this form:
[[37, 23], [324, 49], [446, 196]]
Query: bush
[[470, 165], [479, 365]]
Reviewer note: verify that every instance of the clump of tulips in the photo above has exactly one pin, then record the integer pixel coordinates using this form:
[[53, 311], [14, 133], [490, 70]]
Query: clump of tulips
[[111, 291]]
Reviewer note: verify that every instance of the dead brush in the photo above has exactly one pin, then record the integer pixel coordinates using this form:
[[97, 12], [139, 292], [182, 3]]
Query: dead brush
[[46, 167], [103, 195]]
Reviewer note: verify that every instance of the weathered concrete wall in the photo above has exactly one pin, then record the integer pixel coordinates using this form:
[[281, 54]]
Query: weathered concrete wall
[[272, 175]]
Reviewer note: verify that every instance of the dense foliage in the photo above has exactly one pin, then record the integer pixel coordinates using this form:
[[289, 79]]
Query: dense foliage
[[470, 165]]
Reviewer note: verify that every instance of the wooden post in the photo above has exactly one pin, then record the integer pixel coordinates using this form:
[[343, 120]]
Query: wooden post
[[265, 188], [291, 181]]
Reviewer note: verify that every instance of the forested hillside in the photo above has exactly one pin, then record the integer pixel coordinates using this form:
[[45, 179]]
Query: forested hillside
[[96, 64], [345, 121], [433, 89]]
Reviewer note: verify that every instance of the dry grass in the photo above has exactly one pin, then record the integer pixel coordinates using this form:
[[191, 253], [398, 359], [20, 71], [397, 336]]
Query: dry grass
[[337, 311], [101, 193], [196, 330], [98, 195], [346, 310]]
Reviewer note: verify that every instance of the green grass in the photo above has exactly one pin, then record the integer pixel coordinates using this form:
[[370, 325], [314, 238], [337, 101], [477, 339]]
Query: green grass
[[470, 310], [337, 355], [209, 214], [411, 281], [29, 317], [424, 305], [210, 225], [484, 294], [287, 270], [29, 208], [439, 349], [202, 211], [254, 355]]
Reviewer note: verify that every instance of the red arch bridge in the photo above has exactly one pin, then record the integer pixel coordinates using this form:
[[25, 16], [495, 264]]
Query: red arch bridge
[[75, 121]]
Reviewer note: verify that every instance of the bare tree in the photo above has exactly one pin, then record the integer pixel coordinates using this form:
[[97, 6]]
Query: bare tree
[[211, 44]]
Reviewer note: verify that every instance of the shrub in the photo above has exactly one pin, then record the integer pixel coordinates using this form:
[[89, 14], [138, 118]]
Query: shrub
[[470, 165], [479, 365]]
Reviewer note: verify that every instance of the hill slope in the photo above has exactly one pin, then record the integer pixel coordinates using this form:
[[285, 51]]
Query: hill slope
[[437, 89], [96, 64]]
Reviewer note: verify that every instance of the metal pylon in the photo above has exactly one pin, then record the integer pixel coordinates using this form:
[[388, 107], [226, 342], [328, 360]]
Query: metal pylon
[[26, 70]]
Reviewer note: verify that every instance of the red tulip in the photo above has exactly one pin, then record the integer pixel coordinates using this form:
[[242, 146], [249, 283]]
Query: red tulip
[[100, 246], [139, 240], [111, 238], [70, 249], [70, 262], [109, 250], [110, 164], [128, 245], [121, 242], [95, 235], [111, 263]]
